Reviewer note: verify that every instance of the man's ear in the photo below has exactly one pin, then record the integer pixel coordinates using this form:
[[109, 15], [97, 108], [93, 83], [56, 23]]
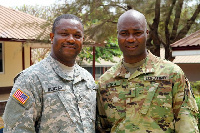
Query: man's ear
[[147, 31], [51, 37]]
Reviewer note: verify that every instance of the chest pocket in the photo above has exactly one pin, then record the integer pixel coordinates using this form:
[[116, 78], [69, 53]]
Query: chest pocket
[[116, 92], [150, 94], [158, 101], [69, 101]]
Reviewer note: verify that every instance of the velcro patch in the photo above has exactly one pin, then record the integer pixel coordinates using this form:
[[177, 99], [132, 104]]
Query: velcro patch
[[156, 78], [20, 96], [112, 84]]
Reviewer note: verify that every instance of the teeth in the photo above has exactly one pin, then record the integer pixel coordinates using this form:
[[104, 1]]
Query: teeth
[[131, 46], [69, 46]]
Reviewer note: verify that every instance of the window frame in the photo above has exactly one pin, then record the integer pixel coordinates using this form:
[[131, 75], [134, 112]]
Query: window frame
[[3, 60]]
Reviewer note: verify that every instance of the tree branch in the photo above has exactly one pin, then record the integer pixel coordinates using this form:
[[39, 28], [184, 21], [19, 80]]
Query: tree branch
[[187, 27], [116, 5], [154, 26], [176, 19], [153, 33], [167, 34]]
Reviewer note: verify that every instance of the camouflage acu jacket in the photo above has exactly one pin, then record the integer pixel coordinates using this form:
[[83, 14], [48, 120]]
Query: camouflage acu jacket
[[45, 100], [156, 98]]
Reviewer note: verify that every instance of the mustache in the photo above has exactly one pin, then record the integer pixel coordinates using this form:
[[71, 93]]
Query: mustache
[[130, 43], [68, 43]]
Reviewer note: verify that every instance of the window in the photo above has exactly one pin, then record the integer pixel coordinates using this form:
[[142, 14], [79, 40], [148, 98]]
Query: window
[[1, 58], [89, 69], [98, 71]]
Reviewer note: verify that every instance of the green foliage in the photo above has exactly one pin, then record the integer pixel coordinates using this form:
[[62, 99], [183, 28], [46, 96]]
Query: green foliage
[[198, 115], [167, 21], [196, 88], [37, 11], [110, 50], [106, 52]]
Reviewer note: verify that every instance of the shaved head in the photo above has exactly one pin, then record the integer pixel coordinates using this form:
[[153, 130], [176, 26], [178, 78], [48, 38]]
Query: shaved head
[[132, 15], [132, 35]]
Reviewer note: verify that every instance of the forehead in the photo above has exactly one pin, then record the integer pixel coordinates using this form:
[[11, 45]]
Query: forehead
[[127, 22], [130, 25], [69, 24]]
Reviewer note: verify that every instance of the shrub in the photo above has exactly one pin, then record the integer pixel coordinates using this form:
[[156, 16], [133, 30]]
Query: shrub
[[198, 115], [196, 88]]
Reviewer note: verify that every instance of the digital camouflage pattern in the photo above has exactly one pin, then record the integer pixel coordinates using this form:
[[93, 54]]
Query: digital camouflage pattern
[[156, 98], [53, 106]]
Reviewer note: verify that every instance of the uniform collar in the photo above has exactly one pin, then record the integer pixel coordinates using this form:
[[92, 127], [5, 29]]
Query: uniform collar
[[147, 67], [58, 70]]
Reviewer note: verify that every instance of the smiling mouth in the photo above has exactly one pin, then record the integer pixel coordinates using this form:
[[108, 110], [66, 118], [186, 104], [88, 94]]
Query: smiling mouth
[[70, 46], [131, 47]]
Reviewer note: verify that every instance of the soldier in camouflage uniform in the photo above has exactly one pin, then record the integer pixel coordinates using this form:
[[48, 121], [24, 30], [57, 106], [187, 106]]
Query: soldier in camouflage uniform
[[54, 95], [143, 93]]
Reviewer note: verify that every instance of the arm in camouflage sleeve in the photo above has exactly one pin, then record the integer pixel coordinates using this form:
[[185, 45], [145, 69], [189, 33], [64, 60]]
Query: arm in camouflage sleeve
[[185, 107], [102, 125], [21, 117]]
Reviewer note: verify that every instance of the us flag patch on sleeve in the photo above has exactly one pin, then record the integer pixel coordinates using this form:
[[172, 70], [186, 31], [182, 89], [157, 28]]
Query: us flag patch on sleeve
[[20, 96]]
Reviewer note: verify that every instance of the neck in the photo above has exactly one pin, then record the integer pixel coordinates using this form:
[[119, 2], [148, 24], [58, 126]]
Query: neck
[[66, 62], [69, 63], [135, 58]]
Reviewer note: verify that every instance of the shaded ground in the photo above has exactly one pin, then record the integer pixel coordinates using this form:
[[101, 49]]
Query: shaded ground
[[3, 99], [1, 123]]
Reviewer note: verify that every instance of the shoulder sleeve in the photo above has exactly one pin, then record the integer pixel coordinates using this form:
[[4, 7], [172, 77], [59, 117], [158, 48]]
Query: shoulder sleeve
[[185, 108], [102, 124], [17, 76], [20, 112]]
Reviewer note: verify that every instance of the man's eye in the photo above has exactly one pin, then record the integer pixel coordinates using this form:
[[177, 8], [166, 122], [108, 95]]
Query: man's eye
[[78, 36], [64, 34], [138, 33], [123, 33]]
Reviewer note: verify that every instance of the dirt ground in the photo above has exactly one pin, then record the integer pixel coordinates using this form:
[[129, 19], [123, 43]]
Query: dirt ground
[[1, 122]]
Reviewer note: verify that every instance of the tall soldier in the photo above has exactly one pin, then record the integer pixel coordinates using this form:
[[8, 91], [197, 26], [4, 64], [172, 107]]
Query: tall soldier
[[143, 93], [54, 95]]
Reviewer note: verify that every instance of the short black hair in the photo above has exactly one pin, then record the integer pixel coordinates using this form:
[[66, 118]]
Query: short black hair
[[65, 16]]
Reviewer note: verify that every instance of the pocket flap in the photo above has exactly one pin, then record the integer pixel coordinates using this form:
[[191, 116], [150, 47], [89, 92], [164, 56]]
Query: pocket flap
[[69, 102], [148, 100]]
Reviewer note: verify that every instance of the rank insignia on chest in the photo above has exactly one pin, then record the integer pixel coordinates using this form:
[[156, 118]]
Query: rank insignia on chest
[[51, 89], [156, 78], [112, 84], [20, 96]]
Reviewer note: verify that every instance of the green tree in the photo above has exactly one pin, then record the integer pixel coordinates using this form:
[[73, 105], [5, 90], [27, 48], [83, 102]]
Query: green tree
[[168, 20], [106, 52]]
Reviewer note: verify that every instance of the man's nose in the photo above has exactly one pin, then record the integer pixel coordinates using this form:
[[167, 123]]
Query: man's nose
[[131, 38], [70, 38]]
